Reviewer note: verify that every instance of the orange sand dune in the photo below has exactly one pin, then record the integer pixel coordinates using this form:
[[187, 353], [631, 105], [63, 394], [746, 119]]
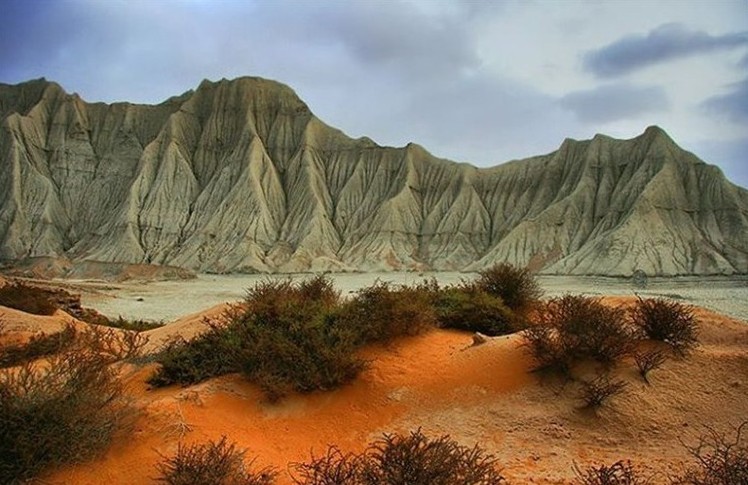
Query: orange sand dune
[[437, 381]]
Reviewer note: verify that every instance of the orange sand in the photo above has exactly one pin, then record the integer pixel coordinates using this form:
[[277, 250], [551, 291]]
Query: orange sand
[[437, 381]]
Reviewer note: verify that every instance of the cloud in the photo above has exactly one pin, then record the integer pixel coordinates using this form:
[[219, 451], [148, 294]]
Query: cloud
[[613, 102], [730, 155], [666, 42], [733, 105]]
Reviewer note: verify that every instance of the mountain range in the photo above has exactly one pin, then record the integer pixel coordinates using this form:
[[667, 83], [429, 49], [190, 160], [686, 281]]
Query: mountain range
[[240, 176]]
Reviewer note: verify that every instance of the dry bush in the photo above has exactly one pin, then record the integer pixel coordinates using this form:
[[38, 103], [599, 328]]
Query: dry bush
[[517, 287], [403, 460], [720, 460], [574, 328], [211, 463], [28, 298], [131, 325], [333, 468], [595, 392], [619, 473], [667, 321], [39, 345], [63, 410], [648, 361]]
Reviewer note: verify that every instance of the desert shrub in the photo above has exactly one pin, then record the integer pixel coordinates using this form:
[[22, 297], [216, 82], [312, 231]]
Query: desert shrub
[[332, 468], [720, 459], [395, 459], [595, 392], [39, 345], [517, 287], [188, 362], [215, 463], [468, 307], [619, 473], [65, 410], [667, 321], [573, 328], [648, 361], [135, 325], [283, 336], [28, 298], [381, 312]]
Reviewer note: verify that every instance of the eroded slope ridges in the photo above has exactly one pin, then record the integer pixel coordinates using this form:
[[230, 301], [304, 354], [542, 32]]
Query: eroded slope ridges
[[240, 176]]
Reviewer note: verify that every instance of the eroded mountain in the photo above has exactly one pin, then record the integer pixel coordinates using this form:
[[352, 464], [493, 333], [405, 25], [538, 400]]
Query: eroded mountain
[[240, 176]]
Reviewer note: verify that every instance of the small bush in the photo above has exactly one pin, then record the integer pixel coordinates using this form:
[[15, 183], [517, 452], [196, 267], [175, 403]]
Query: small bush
[[619, 473], [132, 325], [28, 298], [64, 411], [39, 345], [211, 463], [667, 321], [333, 468], [720, 460], [467, 307], [594, 393], [648, 361], [516, 287], [574, 328], [403, 460], [381, 312]]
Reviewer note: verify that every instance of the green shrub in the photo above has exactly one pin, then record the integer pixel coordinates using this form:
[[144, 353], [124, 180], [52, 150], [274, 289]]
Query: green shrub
[[211, 463], [667, 321], [28, 298], [39, 345], [468, 307], [135, 325], [382, 312], [517, 287], [403, 460], [65, 411]]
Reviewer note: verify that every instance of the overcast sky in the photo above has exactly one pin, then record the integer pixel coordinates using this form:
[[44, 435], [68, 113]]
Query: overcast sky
[[480, 82]]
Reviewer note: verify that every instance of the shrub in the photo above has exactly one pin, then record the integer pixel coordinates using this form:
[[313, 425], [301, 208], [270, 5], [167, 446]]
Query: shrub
[[28, 298], [648, 361], [594, 393], [667, 321], [39, 345], [132, 325], [212, 463], [467, 307], [720, 460], [381, 312], [574, 328], [403, 460], [64, 411], [619, 473], [516, 287], [283, 336]]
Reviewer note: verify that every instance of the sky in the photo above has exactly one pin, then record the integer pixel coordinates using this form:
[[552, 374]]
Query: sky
[[482, 82]]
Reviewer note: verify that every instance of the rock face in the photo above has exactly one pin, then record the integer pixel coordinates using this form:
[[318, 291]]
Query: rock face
[[240, 176]]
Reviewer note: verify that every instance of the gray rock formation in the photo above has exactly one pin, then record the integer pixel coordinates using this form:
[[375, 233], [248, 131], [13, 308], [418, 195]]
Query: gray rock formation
[[241, 176]]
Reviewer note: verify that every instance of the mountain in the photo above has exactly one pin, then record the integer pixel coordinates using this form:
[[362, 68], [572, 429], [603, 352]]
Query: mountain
[[240, 176]]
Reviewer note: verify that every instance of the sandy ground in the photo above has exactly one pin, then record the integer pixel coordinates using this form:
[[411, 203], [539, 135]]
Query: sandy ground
[[439, 382], [170, 300]]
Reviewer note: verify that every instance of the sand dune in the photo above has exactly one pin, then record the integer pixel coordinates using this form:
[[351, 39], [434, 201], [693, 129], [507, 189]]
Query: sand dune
[[439, 382]]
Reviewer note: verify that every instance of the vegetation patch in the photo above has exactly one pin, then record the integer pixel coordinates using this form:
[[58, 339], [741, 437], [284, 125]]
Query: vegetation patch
[[666, 321]]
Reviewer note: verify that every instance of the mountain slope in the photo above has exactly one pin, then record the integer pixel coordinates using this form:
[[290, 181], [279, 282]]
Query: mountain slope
[[241, 176]]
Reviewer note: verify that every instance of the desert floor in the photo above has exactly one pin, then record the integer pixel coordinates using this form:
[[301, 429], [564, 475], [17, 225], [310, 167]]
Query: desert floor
[[169, 300], [483, 394]]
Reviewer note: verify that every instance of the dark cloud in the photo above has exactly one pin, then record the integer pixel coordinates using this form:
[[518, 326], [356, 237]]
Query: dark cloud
[[666, 42], [733, 105], [613, 102]]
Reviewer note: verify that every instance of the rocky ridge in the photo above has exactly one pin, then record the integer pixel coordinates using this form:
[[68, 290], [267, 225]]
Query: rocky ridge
[[240, 176]]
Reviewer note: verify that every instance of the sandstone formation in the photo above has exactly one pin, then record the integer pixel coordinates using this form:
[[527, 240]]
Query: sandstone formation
[[240, 176]]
